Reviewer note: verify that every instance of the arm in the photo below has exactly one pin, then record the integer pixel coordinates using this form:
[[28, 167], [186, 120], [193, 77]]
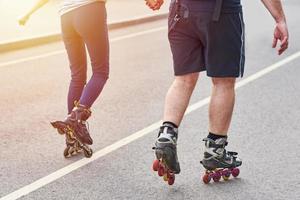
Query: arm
[[36, 6], [281, 30]]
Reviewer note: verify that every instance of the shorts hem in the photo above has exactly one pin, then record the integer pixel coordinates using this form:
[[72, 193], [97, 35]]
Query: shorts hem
[[188, 72], [224, 76]]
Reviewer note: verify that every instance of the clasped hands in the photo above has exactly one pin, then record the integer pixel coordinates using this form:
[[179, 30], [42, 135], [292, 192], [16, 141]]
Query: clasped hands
[[154, 4]]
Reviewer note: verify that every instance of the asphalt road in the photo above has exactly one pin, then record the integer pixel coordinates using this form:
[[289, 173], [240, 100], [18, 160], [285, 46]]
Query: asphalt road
[[264, 131]]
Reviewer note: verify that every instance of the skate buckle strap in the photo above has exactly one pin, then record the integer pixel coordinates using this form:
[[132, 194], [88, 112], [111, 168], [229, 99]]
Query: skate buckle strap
[[165, 129], [169, 138], [211, 143], [85, 109], [169, 126]]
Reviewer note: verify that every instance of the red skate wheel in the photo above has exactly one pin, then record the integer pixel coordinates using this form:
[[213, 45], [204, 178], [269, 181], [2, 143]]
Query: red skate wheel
[[155, 165], [235, 172], [161, 170], [171, 180], [216, 176], [206, 178], [226, 172]]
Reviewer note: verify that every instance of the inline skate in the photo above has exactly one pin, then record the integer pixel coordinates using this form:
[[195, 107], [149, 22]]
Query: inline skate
[[218, 162], [166, 163]]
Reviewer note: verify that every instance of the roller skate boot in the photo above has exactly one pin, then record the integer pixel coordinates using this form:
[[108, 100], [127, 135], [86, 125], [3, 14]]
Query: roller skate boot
[[77, 120], [218, 162], [76, 132], [73, 145], [166, 164]]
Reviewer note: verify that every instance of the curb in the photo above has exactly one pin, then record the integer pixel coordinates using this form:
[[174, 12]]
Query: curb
[[56, 36]]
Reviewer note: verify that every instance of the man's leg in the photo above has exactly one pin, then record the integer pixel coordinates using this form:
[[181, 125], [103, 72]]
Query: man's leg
[[221, 105], [177, 100], [178, 97], [220, 113], [188, 61]]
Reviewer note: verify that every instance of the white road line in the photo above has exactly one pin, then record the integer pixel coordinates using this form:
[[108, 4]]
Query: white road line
[[247, 80], [54, 53], [115, 146]]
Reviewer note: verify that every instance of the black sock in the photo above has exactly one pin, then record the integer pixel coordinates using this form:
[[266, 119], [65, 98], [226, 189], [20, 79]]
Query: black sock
[[214, 136], [170, 123]]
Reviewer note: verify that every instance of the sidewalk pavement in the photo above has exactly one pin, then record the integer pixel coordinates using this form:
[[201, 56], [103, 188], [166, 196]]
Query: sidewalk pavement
[[46, 20]]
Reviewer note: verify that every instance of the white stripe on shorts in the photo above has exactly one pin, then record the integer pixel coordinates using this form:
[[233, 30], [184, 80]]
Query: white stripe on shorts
[[242, 40]]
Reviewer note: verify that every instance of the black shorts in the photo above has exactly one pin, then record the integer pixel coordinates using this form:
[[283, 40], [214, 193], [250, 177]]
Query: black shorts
[[198, 43]]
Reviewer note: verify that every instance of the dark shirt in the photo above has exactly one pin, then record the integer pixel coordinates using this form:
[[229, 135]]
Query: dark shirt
[[209, 5]]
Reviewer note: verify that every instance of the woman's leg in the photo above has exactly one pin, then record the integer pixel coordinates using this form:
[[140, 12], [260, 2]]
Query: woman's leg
[[77, 58], [90, 23]]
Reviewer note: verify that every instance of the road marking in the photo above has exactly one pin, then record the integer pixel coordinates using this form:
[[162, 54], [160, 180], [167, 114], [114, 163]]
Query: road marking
[[247, 80], [55, 53], [133, 137]]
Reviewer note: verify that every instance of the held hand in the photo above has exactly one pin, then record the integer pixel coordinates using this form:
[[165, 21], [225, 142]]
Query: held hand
[[159, 3], [281, 33], [22, 20], [154, 4]]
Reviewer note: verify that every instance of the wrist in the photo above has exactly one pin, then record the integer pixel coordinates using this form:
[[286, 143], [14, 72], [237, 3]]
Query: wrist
[[280, 21]]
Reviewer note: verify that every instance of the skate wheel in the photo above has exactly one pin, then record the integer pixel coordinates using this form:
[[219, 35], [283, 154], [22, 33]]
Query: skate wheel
[[171, 180], [206, 178], [88, 153], [67, 153], [226, 174], [160, 170], [78, 150], [73, 151], [225, 178], [217, 176], [165, 177], [235, 172], [155, 165], [169, 174]]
